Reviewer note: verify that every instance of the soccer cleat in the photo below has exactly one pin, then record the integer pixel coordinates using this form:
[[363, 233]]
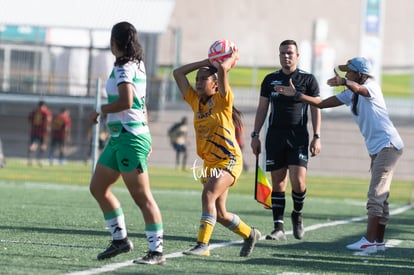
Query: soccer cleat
[[249, 243], [298, 231], [277, 234], [200, 249], [115, 248], [363, 245], [152, 257]]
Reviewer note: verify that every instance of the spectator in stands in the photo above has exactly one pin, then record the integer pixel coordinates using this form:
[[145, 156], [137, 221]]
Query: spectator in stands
[[178, 138], [59, 134], [39, 119]]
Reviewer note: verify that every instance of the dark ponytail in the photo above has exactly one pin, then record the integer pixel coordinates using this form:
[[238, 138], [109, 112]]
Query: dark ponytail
[[125, 37]]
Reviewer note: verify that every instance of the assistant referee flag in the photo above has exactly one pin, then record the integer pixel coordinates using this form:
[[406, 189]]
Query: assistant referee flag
[[263, 189]]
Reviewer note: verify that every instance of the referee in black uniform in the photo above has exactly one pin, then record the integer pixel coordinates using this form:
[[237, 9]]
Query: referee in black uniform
[[287, 138]]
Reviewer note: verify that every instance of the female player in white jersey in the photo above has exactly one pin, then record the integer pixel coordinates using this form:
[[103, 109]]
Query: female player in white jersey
[[127, 149]]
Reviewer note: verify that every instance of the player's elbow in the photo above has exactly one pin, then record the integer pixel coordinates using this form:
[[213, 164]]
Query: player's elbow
[[177, 74]]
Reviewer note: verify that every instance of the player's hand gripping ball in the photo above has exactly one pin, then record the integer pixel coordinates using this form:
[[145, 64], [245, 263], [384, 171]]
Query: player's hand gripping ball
[[219, 51]]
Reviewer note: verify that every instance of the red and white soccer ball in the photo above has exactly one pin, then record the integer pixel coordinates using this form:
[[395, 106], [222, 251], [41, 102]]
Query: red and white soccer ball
[[219, 51]]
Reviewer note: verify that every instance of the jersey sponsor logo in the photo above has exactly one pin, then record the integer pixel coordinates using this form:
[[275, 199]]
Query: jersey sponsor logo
[[122, 73], [125, 162], [274, 94], [203, 132], [204, 115], [303, 157], [276, 82]]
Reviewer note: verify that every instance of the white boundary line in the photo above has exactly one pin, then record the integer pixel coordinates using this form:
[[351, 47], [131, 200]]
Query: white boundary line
[[115, 266]]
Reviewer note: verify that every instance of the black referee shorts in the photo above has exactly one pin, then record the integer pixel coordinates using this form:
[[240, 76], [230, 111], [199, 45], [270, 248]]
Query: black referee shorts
[[286, 147]]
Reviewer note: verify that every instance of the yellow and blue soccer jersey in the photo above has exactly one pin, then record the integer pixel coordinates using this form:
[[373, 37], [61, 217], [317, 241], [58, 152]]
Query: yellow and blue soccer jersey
[[215, 133]]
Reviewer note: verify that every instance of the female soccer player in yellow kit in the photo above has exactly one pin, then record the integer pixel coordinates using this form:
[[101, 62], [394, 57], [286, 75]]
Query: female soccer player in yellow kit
[[212, 104]]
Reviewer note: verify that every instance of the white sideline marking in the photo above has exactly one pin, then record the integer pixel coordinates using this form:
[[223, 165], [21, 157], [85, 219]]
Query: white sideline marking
[[112, 267], [57, 186], [392, 243]]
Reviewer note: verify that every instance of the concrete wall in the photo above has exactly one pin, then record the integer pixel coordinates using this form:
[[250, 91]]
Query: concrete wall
[[258, 26]]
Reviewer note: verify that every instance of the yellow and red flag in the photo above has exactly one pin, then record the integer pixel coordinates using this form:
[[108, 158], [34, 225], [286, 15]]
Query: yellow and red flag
[[263, 189]]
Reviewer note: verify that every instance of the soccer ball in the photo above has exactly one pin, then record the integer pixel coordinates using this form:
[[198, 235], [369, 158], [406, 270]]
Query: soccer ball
[[219, 51]]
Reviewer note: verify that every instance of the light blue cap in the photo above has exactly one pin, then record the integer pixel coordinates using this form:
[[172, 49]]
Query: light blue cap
[[357, 64]]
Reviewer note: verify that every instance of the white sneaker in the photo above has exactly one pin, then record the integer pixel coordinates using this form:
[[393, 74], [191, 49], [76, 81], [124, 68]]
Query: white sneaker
[[363, 245], [380, 246]]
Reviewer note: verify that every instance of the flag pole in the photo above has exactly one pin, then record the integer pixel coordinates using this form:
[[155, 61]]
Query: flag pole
[[95, 127], [256, 176]]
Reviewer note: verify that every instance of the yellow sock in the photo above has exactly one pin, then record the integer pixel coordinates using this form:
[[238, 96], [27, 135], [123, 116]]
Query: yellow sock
[[205, 230], [239, 227]]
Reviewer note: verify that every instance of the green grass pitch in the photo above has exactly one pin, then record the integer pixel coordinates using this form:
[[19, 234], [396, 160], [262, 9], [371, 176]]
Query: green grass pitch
[[50, 224]]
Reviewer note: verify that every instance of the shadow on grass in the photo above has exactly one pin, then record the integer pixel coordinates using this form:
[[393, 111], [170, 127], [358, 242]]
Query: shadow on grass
[[94, 233], [329, 258]]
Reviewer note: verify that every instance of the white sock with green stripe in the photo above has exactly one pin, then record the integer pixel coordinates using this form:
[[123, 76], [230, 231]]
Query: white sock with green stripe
[[155, 235], [115, 220]]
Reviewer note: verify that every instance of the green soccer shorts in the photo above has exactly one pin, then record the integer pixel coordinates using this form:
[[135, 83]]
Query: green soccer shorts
[[127, 152]]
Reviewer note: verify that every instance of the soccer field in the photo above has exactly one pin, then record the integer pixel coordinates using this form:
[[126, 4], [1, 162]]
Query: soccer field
[[55, 227]]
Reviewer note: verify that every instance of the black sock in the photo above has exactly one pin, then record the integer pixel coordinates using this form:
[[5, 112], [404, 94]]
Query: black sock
[[278, 209], [298, 201]]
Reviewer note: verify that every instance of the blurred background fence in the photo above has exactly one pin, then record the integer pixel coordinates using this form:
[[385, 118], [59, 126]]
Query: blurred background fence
[[343, 151], [61, 65]]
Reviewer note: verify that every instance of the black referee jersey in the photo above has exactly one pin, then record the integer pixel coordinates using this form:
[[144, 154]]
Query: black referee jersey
[[286, 112]]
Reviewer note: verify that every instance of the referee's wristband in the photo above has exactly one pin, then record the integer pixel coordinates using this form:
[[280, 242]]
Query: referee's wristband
[[98, 109], [298, 95]]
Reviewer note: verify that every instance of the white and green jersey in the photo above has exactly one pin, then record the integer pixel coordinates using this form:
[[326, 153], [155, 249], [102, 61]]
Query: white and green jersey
[[134, 119]]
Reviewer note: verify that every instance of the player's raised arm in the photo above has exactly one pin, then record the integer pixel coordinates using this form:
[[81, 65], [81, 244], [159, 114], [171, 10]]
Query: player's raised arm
[[180, 74], [223, 69]]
